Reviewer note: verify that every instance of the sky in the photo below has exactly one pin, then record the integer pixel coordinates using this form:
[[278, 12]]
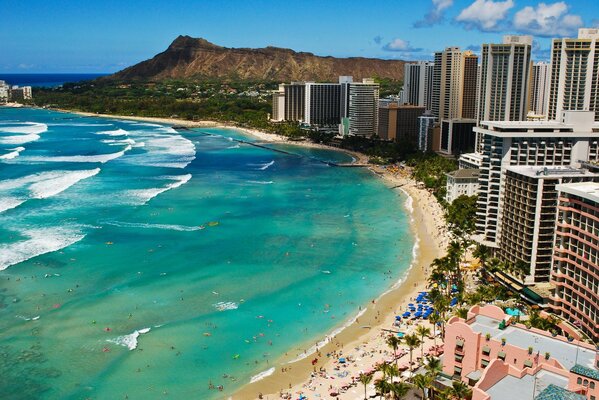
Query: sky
[[85, 36]]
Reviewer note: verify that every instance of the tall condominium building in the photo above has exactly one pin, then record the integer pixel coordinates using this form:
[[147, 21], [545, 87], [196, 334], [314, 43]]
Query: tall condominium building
[[575, 272], [529, 212], [359, 104], [457, 136], [539, 85], [418, 84], [504, 80], [574, 80], [425, 125], [454, 84], [322, 104], [295, 100], [399, 122], [567, 142], [278, 105], [4, 92]]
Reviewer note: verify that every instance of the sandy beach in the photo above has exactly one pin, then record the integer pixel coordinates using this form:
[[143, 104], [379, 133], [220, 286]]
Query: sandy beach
[[315, 371]]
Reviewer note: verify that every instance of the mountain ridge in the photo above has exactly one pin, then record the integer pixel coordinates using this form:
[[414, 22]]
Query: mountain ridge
[[188, 57]]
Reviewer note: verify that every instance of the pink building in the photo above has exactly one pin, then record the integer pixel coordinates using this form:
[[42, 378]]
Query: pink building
[[575, 272], [502, 359]]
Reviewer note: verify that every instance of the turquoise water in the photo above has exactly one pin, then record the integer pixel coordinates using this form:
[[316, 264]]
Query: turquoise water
[[231, 255]]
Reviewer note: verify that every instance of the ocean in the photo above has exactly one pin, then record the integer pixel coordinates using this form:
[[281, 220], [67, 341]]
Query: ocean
[[46, 80], [139, 261]]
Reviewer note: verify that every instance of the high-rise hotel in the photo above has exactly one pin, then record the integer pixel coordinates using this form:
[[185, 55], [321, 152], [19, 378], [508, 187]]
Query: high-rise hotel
[[574, 80], [418, 84], [504, 80]]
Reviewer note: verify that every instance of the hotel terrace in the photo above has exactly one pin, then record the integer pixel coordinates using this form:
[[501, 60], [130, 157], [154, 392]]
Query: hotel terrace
[[503, 359]]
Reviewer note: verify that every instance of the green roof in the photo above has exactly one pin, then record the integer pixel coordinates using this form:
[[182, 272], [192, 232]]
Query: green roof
[[553, 392], [585, 371]]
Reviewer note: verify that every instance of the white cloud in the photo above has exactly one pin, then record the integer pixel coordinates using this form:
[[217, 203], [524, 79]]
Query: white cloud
[[484, 15], [399, 45], [547, 20], [435, 14]]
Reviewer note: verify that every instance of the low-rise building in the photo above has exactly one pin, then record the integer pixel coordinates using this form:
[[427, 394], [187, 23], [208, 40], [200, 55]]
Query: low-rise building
[[470, 160], [502, 359], [399, 122], [20, 93], [4, 92], [462, 182]]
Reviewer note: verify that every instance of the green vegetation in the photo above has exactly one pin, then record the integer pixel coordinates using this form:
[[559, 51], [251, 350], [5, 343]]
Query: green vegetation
[[430, 169], [461, 215]]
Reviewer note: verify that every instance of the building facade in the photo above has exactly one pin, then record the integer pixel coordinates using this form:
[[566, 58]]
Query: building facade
[[454, 84], [4, 92], [457, 136], [529, 215], [360, 102], [575, 274], [322, 104], [278, 105], [463, 182], [418, 84], [574, 79], [425, 126], [504, 80], [539, 86], [295, 101], [568, 142]]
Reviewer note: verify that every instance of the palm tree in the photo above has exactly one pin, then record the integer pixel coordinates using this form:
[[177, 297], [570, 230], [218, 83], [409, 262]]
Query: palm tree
[[434, 319], [412, 341], [423, 382], [386, 369], [482, 253], [365, 380], [460, 390], [382, 387], [393, 341], [444, 394], [433, 367], [400, 389], [422, 331]]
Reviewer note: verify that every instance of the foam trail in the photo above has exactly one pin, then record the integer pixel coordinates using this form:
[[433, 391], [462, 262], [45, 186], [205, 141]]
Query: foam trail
[[7, 203], [265, 166], [116, 132], [41, 241], [118, 142], [145, 195], [28, 128], [21, 139], [53, 186], [226, 305], [98, 158], [181, 228], [13, 154], [262, 182], [129, 341], [262, 375]]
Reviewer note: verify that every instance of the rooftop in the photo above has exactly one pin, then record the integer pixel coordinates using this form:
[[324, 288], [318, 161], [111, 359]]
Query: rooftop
[[586, 190], [464, 173], [526, 387], [553, 392], [567, 354], [558, 171]]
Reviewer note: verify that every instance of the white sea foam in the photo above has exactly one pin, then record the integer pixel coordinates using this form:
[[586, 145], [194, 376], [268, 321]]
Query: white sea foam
[[40, 186], [169, 151], [129, 341], [142, 196], [21, 139], [262, 182], [14, 153], [167, 129], [26, 127], [59, 183], [266, 166], [97, 158], [116, 132], [40, 241], [226, 305], [77, 124], [181, 228], [117, 142], [7, 203], [262, 375]]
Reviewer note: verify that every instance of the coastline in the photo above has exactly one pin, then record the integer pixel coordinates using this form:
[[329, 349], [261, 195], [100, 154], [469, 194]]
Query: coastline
[[365, 329]]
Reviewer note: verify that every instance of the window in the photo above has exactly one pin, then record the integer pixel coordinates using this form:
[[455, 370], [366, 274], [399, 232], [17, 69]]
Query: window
[[579, 381]]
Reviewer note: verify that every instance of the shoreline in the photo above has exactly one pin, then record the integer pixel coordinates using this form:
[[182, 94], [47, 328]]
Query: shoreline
[[364, 329]]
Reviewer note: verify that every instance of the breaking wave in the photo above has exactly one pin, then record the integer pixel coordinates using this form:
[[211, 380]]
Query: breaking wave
[[129, 341], [14, 153], [142, 196], [98, 158]]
